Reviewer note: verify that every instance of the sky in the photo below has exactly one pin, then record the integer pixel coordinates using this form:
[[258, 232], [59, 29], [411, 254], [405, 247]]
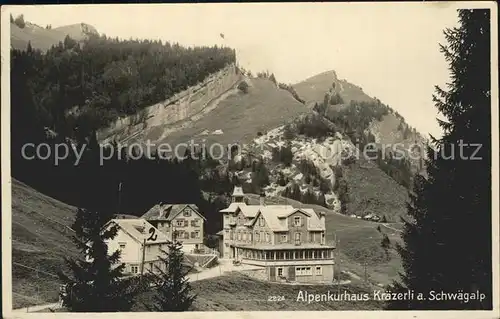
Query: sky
[[391, 50]]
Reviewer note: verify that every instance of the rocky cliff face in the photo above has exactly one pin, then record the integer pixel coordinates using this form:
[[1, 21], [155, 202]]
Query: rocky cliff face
[[153, 122]]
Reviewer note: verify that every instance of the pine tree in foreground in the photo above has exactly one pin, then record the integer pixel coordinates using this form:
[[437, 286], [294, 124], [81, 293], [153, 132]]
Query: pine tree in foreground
[[173, 291], [96, 283], [447, 238]]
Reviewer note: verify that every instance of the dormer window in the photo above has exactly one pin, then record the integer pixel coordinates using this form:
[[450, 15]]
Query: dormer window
[[186, 212], [261, 221], [297, 221]]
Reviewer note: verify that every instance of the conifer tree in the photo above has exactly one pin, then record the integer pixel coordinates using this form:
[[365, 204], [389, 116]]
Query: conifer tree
[[447, 237], [96, 282], [173, 291]]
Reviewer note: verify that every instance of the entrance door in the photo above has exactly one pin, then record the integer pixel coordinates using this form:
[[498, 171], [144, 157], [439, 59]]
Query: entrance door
[[272, 274], [291, 273]]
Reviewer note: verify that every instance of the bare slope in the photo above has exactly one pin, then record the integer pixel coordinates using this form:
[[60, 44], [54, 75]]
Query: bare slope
[[240, 116], [40, 239], [313, 89], [42, 38]]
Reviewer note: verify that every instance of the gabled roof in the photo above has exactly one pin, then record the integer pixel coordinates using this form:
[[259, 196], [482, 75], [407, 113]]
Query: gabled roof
[[139, 229], [232, 207], [168, 212], [273, 213], [250, 211]]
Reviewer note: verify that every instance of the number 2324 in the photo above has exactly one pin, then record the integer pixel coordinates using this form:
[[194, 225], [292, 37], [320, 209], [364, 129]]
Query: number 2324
[[275, 298]]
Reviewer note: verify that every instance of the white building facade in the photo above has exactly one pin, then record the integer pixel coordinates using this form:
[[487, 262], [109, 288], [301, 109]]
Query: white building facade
[[140, 244], [289, 243]]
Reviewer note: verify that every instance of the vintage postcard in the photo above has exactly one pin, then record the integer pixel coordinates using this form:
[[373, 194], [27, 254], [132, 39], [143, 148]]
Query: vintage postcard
[[250, 159]]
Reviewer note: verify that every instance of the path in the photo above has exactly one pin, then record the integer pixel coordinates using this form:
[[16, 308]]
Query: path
[[37, 308], [392, 228]]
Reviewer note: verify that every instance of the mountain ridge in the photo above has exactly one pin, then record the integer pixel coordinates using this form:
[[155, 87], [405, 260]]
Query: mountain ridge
[[43, 38]]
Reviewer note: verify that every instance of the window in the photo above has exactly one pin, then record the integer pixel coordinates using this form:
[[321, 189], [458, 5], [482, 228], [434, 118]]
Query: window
[[194, 223], [245, 236], [261, 221], [179, 223], [308, 271], [122, 245], [134, 269], [303, 271], [297, 238], [298, 271], [257, 237], [284, 238], [280, 271], [239, 235], [231, 235], [268, 238], [186, 235], [323, 238], [318, 270], [186, 212], [297, 221], [196, 234]]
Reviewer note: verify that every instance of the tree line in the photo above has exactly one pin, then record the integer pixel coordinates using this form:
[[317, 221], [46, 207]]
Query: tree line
[[77, 87]]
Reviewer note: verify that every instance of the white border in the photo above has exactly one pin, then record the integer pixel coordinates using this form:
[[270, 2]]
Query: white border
[[6, 204]]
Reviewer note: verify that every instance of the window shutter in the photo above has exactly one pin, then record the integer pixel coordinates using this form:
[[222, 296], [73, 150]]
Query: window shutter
[[193, 235], [186, 223]]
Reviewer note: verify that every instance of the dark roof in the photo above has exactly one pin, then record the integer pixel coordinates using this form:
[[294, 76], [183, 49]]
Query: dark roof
[[167, 211]]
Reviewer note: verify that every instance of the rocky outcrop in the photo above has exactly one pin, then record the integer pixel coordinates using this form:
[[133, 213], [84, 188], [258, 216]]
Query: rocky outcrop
[[182, 106]]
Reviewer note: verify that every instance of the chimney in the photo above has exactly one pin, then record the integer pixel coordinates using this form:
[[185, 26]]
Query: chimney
[[322, 218], [262, 199]]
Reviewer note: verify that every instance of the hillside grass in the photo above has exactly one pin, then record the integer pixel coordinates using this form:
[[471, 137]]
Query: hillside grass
[[373, 191], [237, 292], [40, 240], [240, 116], [360, 242]]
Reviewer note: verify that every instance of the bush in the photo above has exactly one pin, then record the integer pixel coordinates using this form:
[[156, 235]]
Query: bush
[[288, 133], [243, 87], [19, 21]]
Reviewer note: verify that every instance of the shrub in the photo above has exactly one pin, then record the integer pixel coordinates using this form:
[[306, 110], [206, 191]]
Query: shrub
[[243, 87]]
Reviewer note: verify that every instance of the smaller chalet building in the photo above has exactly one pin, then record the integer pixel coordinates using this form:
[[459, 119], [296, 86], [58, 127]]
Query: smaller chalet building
[[179, 222], [140, 243]]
